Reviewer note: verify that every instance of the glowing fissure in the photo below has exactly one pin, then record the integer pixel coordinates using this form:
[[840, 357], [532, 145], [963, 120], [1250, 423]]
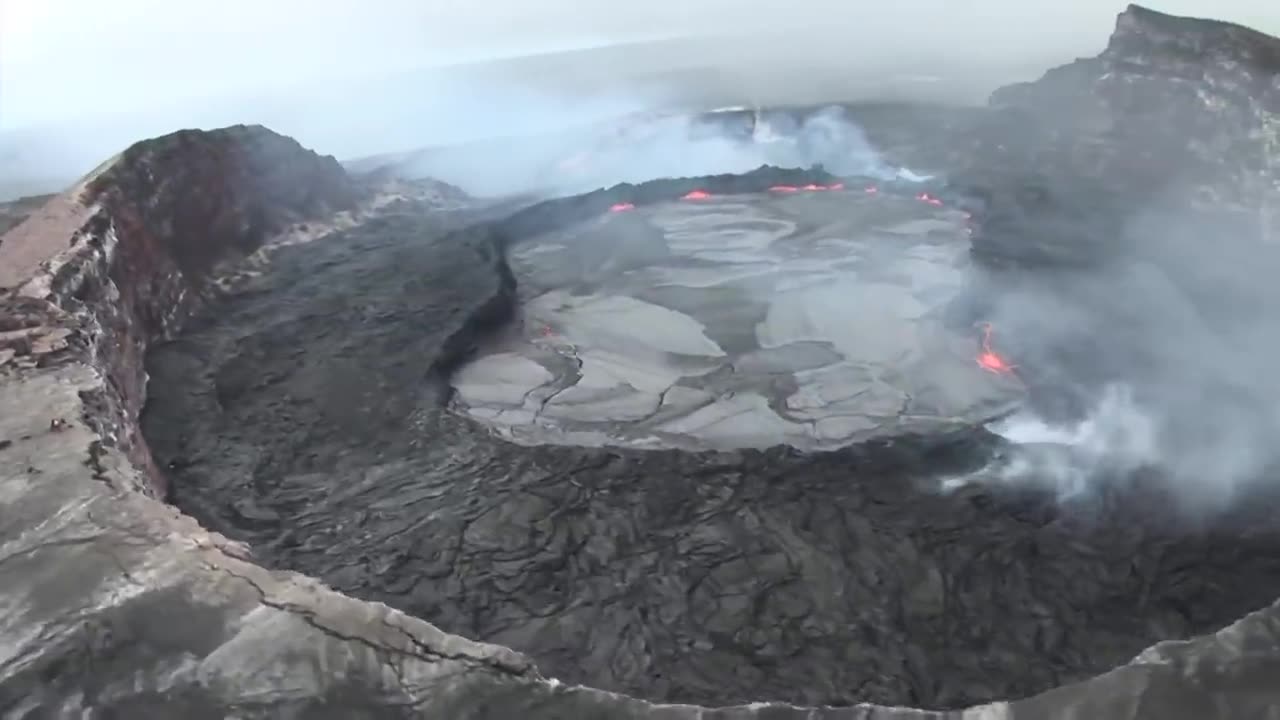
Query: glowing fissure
[[790, 189], [988, 359]]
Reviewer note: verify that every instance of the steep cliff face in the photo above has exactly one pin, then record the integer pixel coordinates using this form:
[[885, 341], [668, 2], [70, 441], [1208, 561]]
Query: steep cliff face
[[1176, 112], [203, 197], [113, 602], [145, 234]]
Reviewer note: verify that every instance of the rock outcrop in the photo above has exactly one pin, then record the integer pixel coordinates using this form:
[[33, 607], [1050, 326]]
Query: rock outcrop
[[115, 605], [1174, 113], [128, 254]]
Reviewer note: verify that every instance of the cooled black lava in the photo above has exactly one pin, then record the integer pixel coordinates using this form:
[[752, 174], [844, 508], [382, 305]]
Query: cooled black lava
[[301, 417]]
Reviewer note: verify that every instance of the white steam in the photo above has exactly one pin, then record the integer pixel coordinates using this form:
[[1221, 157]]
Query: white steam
[[642, 147], [1115, 438], [79, 80], [1166, 357]]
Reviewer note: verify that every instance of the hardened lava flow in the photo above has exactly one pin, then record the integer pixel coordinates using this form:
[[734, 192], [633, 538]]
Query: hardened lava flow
[[459, 407], [682, 440]]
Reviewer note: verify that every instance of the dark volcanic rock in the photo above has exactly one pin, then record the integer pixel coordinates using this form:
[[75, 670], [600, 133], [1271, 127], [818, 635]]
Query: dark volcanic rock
[[304, 416], [681, 577], [108, 593], [1155, 159], [1175, 112], [152, 225], [203, 197]]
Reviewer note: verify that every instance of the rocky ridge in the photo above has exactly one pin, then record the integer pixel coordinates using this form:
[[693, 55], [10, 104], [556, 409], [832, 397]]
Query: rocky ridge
[[125, 607], [1175, 112], [14, 212]]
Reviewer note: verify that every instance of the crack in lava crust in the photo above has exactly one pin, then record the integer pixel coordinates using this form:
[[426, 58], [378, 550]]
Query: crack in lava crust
[[297, 418]]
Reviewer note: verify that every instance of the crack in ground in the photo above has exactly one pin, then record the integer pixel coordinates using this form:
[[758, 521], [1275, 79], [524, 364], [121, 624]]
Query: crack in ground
[[309, 616], [50, 544]]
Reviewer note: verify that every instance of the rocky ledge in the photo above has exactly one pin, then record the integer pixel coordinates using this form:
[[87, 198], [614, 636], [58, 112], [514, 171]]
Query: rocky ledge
[[1175, 113], [116, 605]]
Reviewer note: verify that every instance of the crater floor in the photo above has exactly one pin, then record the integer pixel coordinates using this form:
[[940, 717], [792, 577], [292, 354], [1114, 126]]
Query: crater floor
[[812, 319], [296, 417]]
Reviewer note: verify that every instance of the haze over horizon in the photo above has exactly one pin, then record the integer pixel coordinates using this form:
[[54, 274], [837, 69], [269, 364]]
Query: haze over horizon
[[80, 80]]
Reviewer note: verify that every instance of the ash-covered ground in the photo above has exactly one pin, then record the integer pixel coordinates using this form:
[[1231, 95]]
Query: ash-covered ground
[[303, 417]]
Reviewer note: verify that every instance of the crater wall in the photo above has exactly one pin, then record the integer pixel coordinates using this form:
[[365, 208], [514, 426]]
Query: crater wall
[[114, 604]]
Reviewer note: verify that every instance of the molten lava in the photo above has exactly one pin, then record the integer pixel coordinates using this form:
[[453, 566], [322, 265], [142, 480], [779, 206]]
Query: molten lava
[[696, 195], [871, 190], [622, 207], [926, 197], [989, 359]]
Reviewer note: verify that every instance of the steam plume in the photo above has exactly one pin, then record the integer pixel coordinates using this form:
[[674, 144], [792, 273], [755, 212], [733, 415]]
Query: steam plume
[[1163, 359]]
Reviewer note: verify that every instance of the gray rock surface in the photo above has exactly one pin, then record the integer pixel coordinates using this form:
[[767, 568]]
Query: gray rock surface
[[115, 605], [1175, 113], [813, 319], [14, 212]]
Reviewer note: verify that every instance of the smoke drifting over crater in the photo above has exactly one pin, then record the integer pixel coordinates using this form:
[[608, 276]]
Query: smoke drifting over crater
[[644, 146], [1162, 359], [81, 80]]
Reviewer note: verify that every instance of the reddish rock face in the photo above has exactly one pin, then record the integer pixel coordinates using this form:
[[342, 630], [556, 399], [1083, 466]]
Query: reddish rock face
[[146, 233], [203, 197]]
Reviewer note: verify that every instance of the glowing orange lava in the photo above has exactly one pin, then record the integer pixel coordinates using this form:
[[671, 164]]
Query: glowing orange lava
[[696, 195], [989, 359], [871, 190], [784, 188], [926, 197], [622, 207]]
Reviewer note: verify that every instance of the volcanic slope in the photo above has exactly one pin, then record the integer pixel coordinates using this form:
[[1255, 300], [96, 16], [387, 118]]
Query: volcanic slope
[[300, 417]]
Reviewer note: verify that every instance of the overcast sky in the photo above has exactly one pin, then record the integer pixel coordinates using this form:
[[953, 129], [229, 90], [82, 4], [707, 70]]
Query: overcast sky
[[60, 58], [134, 68]]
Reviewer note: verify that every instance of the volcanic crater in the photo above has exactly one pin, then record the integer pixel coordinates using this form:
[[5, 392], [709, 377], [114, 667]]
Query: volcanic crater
[[729, 440], [683, 440]]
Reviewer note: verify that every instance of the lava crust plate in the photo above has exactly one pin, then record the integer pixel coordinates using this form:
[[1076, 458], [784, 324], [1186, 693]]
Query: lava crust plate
[[809, 319]]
